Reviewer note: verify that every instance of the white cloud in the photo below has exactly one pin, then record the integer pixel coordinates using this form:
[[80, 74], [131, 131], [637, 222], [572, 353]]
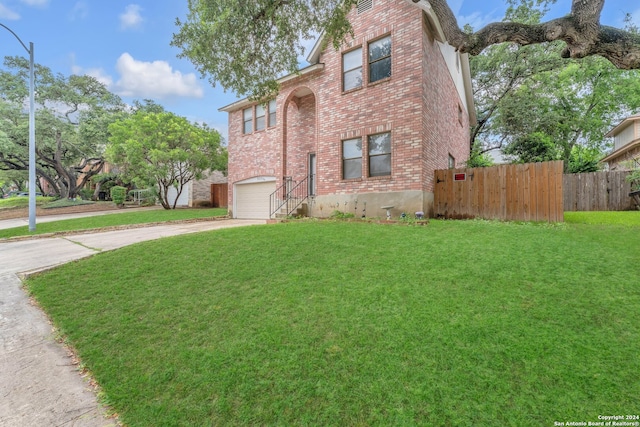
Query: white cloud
[[455, 5], [155, 79], [131, 17], [97, 73], [477, 20], [80, 11], [40, 3], [6, 13]]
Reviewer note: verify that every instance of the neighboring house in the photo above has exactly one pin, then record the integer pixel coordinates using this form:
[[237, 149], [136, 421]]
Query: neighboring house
[[360, 128], [626, 144], [196, 190]]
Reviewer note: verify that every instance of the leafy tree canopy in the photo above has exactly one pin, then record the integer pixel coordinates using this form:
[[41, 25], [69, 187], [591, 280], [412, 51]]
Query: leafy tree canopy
[[157, 148], [536, 106], [246, 45], [72, 115]]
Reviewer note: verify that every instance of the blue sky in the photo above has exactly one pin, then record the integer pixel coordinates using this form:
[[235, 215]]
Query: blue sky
[[125, 44]]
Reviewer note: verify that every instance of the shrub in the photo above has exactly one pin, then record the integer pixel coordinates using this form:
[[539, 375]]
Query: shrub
[[86, 193], [342, 215], [118, 195], [202, 203], [634, 179]]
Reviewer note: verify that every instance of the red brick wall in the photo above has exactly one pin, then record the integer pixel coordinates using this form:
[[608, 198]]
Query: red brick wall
[[443, 132], [418, 105], [389, 105], [300, 135]]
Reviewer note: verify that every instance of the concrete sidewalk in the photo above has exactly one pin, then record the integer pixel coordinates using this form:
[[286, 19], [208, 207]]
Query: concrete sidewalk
[[19, 222], [39, 383]]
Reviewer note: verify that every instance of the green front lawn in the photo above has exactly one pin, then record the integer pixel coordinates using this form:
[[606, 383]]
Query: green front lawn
[[22, 202], [115, 218], [620, 218], [459, 323]]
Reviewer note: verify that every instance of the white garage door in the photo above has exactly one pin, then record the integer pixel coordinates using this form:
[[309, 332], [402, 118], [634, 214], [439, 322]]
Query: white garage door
[[252, 200]]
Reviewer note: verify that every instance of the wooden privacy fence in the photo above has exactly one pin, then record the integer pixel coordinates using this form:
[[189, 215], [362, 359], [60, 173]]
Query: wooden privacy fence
[[597, 191], [524, 192], [219, 195]]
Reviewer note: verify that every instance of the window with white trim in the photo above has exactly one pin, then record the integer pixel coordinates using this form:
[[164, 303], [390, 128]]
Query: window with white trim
[[247, 119], [352, 69], [260, 117], [272, 112], [352, 158]]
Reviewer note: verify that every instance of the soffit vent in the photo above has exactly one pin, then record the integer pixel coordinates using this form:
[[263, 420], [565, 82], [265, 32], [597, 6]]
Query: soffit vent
[[364, 5]]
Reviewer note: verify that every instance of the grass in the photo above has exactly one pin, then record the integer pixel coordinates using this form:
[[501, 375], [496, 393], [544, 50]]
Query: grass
[[458, 323], [63, 203], [22, 202], [115, 219], [620, 218]]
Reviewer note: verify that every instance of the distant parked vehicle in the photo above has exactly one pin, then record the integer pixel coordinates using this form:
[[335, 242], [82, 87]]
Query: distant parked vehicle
[[12, 193], [26, 193]]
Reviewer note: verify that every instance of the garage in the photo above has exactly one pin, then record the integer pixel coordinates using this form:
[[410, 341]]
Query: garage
[[251, 198]]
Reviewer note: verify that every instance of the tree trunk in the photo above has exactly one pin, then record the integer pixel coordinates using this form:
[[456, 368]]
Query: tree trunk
[[164, 195], [580, 30]]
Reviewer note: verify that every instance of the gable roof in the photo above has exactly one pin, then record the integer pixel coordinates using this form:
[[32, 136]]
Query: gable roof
[[622, 125], [246, 102], [433, 24], [432, 21]]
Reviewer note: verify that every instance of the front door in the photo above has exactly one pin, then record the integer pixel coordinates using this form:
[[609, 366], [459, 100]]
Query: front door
[[312, 174]]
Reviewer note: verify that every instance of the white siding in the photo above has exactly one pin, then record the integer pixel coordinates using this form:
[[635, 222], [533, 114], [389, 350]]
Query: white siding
[[251, 199], [183, 200], [453, 60]]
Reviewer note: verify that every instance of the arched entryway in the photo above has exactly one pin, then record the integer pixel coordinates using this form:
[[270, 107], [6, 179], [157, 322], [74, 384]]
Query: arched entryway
[[299, 137]]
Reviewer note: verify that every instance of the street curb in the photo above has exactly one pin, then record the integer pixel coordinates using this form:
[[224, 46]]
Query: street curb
[[110, 228]]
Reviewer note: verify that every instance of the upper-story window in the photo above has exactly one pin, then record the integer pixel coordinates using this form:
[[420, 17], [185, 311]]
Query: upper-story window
[[352, 158], [380, 154], [264, 114], [260, 117], [380, 59], [247, 118], [272, 112], [352, 69]]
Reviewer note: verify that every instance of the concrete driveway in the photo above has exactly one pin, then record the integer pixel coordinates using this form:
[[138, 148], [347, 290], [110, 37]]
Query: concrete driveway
[[39, 382]]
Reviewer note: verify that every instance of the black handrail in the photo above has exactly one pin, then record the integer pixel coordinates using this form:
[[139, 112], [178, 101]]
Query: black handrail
[[277, 199], [292, 197]]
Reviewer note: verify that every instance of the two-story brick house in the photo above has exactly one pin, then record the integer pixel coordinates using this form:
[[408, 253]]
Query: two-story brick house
[[360, 128]]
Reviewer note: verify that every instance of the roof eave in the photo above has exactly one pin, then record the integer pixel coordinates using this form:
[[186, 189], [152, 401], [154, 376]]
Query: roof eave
[[622, 125], [246, 102], [620, 151]]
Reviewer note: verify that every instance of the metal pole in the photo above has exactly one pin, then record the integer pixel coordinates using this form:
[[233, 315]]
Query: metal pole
[[32, 145], [32, 134]]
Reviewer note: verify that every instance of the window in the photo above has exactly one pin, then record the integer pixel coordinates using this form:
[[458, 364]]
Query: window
[[352, 69], [260, 118], [272, 112], [460, 114], [380, 154], [352, 158], [247, 117], [452, 162], [380, 59]]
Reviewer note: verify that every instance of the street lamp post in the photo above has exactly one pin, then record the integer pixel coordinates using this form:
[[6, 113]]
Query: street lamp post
[[32, 135]]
